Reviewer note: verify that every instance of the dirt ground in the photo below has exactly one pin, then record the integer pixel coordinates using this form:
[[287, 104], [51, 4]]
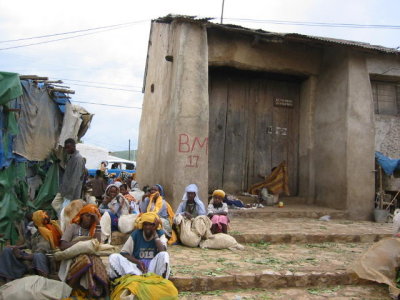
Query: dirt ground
[[257, 257], [370, 292]]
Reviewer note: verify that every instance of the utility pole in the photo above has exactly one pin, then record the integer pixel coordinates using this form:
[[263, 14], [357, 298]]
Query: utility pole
[[222, 12], [129, 150]]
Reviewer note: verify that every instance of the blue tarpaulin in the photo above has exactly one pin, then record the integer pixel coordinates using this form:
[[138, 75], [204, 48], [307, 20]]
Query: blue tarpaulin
[[389, 165]]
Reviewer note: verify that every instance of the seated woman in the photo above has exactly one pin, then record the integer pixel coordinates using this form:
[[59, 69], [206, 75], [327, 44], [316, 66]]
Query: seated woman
[[191, 205], [145, 251], [158, 205], [218, 213], [14, 262], [84, 271], [115, 205], [134, 207]]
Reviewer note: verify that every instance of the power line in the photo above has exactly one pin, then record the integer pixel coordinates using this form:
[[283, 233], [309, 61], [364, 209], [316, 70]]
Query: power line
[[103, 104], [319, 24], [75, 31], [65, 38], [108, 88], [97, 82]]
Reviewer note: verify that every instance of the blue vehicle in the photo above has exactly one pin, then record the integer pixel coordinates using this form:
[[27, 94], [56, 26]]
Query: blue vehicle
[[114, 167]]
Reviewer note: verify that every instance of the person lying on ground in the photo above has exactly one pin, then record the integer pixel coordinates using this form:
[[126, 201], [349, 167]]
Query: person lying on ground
[[145, 251], [115, 205], [84, 272], [15, 262], [158, 205], [218, 213]]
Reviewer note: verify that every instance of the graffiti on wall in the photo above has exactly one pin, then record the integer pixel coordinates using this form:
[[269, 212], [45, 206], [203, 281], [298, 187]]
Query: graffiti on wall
[[194, 148]]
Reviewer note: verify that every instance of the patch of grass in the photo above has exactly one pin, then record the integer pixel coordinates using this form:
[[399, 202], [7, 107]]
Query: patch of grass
[[234, 232], [260, 245], [220, 259], [323, 227], [319, 291]]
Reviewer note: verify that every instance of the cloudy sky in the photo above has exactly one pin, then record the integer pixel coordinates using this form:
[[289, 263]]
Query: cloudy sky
[[107, 67]]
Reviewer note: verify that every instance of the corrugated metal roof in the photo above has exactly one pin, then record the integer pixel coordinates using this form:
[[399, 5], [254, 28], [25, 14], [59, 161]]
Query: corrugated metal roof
[[295, 37]]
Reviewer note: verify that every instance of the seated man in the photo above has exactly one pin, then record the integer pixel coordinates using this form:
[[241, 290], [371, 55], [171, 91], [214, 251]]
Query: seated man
[[85, 271], [14, 262], [144, 252]]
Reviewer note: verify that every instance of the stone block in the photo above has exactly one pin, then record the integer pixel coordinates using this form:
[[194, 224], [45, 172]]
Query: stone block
[[272, 279]]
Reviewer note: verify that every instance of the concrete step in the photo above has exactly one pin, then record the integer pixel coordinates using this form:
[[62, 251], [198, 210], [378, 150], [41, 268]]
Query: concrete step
[[266, 279], [286, 200], [306, 230], [289, 211], [265, 265], [297, 230], [370, 291]]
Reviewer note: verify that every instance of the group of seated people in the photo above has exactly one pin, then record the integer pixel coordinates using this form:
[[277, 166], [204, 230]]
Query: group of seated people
[[145, 251]]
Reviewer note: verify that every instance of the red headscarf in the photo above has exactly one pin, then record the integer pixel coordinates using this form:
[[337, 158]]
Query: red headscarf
[[87, 209]]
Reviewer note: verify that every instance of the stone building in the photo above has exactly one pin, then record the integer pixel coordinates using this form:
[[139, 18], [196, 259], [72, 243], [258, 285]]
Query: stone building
[[223, 104]]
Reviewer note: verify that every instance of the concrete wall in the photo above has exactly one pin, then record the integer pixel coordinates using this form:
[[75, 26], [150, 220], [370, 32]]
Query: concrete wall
[[344, 134], [330, 130], [242, 52], [173, 139]]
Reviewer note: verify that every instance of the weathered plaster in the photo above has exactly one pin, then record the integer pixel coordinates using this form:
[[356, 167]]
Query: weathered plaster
[[387, 135]]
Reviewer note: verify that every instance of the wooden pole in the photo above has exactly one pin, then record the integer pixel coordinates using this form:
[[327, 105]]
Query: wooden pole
[[380, 188]]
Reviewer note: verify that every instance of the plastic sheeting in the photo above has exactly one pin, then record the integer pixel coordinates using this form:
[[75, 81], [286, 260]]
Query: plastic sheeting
[[13, 195], [10, 87], [49, 188], [39, 124], [388, 165]]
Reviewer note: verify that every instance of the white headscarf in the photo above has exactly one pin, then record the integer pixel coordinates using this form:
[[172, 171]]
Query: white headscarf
[[192, 188]]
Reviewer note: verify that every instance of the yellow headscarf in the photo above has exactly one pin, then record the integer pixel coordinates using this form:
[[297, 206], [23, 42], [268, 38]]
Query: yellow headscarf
[[157, 200], [219, 193], [149, 217], [51, 232]]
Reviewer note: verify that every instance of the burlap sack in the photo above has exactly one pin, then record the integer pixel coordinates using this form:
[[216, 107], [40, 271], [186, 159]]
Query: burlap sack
[[83, 247], [187, 236], [221, 241], [126, 223]]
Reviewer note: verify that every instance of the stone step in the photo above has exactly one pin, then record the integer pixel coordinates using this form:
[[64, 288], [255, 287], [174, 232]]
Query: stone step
[[306, 230], [265, 265], [265, 279], [289, 211], [286, 200], [368, 291], [309, 238]]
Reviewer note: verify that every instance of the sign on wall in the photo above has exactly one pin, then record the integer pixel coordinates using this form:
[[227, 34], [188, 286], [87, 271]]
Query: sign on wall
[[283, 102]]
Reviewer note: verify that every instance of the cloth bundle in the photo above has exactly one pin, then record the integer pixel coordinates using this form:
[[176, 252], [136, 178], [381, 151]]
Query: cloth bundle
[[221, 241]]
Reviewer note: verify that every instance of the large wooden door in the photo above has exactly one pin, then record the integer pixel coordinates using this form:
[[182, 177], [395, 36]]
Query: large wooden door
[[253, 127]]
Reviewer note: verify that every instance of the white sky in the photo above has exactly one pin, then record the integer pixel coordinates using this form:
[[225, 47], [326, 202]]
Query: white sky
[[117, 57]]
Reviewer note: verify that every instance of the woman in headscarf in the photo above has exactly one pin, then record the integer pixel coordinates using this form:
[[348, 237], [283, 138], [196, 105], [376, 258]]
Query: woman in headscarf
[[158, 205], [14, 262], [144, 251], [218, 212], [115, 205], [84, 272], [134, 208], [191, 205]]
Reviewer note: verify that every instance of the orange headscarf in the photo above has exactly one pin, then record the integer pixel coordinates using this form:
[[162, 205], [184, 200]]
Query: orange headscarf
[[51, 232], [87, 209]]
